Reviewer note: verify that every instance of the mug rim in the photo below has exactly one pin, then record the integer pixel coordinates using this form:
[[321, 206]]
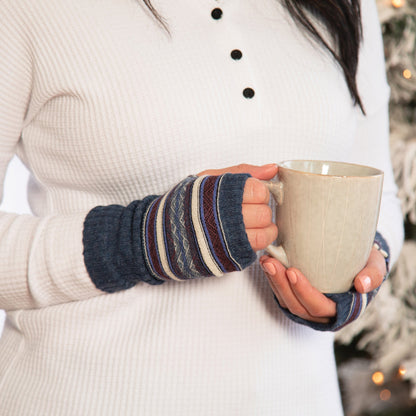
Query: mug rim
[[372, 171]]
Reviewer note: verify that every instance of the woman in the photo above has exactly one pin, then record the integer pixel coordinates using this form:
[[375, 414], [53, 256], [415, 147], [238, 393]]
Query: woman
[[108, 106]]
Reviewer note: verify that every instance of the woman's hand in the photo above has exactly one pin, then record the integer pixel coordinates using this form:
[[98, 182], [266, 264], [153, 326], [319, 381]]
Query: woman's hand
[[295, 293], [257, 214]]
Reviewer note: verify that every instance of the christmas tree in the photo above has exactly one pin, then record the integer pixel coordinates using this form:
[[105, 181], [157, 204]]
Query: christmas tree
[[380, 378]]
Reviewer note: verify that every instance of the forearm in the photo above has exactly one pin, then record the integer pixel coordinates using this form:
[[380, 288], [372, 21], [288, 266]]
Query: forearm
[[42, 261]]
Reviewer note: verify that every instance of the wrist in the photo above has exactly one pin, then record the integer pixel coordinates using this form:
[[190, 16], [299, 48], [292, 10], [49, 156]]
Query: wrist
[[197, 229]]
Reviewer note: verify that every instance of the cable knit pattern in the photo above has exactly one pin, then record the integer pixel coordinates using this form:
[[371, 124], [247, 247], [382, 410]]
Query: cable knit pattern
[[106, 108]]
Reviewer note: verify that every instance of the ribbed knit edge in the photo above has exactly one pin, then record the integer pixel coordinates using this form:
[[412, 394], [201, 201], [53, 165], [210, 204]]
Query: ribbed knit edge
[[112, 246], [350, 305], [231, 216]]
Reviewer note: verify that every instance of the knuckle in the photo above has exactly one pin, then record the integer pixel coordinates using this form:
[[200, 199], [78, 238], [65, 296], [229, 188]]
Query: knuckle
[[249, 188], [260, 191], [317, 312], [242, 168], [264, 215], [268, 214], [256, 191], [298, 311]]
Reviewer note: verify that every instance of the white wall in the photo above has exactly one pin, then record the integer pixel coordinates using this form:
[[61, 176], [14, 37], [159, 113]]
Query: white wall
[[14, 197]]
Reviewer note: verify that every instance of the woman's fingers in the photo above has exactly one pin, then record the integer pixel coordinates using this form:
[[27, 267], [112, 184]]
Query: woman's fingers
[[257, 215], [260, 238], [264, 172], [281, 288], [295, 293], [372, 275], [315, 302], [255, 192]]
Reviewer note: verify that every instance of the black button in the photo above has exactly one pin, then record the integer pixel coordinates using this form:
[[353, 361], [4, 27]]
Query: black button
[[216, 14], [236, 54], [248, 92]]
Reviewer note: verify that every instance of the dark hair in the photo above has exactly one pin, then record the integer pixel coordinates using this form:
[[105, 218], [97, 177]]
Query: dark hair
[[342, 19]]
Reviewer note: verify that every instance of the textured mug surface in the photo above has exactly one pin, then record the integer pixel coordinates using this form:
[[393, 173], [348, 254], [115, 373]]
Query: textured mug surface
[[327, 214]]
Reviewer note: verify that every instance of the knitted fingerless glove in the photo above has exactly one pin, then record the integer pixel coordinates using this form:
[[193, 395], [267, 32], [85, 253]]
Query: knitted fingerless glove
[[195, 230], [350, 305]]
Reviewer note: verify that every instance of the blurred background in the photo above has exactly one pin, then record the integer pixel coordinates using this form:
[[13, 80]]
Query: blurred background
[[376, 355]]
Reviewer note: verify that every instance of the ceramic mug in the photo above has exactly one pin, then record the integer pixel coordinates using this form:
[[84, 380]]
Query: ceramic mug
[[326, 214]]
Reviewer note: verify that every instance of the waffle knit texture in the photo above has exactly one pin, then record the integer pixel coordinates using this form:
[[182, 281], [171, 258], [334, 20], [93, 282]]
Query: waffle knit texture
[[106, 108]]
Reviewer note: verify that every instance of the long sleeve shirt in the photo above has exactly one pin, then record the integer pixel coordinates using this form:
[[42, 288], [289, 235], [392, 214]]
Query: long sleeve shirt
[[105, 107]]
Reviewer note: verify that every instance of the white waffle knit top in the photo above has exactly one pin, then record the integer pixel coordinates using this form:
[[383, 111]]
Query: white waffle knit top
[[105, 107]]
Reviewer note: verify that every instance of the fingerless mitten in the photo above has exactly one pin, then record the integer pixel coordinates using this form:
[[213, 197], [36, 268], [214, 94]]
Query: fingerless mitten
[[195, 230], [350, 305]]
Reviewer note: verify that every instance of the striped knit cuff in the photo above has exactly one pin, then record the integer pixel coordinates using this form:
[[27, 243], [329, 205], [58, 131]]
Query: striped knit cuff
[[381, 244], [350, 305], [197, 229]]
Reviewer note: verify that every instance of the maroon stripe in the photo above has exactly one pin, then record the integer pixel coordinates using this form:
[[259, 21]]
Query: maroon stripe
[[193, 243], [151, 240], [213, 228]]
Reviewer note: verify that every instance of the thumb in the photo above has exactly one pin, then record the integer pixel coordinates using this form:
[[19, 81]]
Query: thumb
[[259, 172], [373, 273]]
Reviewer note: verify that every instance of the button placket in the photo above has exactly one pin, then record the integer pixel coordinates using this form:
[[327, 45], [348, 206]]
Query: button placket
[[235, 54]]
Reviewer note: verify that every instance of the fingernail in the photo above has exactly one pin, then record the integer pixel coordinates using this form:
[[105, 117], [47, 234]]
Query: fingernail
[[366, 283], [269, 268], [291, 275]]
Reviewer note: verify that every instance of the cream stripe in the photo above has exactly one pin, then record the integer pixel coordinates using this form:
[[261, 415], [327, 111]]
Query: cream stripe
[[161, 240], [146, 253], [199, 231], [364, 301]]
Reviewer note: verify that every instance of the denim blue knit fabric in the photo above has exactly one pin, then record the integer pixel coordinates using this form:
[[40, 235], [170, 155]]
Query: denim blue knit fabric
[[195, 230], [350, 305]]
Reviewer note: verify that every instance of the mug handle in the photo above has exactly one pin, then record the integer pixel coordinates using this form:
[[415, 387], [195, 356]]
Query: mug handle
[[276, 189]]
